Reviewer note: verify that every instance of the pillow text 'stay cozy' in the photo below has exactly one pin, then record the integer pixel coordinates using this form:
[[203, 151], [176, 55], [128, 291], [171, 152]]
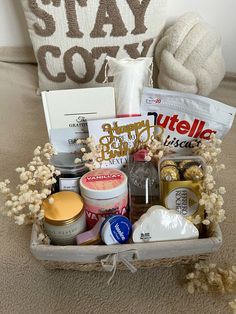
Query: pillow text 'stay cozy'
[[71, 39]]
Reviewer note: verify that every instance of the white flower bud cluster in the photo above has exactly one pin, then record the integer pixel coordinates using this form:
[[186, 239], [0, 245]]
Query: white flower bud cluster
[[42, 237], [208, 277], [211, 198], [36, 180], [90, 153], [156, 150]]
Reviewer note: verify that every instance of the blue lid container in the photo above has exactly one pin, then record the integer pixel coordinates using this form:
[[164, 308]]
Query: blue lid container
[[116, 230]]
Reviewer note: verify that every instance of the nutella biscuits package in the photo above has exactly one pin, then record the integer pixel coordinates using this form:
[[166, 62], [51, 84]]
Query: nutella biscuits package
[[186, 118]]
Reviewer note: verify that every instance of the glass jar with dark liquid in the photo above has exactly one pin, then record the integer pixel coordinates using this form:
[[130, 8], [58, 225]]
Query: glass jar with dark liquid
[[71, 173], [143, 185]]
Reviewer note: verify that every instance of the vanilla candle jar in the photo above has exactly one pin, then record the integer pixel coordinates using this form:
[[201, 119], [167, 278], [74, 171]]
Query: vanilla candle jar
[[105, 193], [64, 217]]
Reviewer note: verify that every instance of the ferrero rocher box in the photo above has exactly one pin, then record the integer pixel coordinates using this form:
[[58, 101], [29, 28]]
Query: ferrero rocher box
[[183, 196], [181, 179]]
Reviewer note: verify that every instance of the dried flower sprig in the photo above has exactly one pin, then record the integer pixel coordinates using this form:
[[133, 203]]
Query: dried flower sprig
[[156, 149], [36, 180], [211, 196], [90, 153], [210, 278]]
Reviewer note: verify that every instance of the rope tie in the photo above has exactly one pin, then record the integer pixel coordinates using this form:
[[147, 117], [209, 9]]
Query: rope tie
[[106, 73], [109, 263], [150, 69]]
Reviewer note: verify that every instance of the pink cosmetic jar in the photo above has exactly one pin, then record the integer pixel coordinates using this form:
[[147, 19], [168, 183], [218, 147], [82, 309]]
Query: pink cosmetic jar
[[105, 193]]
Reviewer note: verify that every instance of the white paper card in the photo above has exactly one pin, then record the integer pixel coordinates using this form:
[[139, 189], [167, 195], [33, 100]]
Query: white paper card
[[118, 136]]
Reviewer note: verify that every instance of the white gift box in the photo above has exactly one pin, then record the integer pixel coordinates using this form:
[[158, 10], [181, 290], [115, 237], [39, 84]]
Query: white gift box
[[67, 113]]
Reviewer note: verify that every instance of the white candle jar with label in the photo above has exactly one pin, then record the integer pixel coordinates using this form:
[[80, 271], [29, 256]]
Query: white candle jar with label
[[64, 217]]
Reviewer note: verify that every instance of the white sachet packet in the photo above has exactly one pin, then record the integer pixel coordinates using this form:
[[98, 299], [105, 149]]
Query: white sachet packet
[[130, 77]]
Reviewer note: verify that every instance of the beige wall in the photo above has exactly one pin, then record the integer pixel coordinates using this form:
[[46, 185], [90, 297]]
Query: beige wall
[[218, 13], [13, 30]]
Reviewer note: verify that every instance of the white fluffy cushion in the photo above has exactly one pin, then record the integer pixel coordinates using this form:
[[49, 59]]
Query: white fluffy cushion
[[189, 57]]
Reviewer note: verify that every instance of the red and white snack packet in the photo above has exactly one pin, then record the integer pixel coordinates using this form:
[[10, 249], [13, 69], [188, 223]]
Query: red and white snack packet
[[186, 118]]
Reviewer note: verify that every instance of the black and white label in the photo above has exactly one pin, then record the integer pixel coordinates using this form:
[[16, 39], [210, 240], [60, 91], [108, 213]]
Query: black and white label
[[69, 184], [145, 236]]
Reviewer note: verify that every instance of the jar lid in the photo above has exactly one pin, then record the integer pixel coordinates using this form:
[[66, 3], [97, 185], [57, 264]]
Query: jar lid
[[65, 162], [64, 207], [103, 183], [140, 155]]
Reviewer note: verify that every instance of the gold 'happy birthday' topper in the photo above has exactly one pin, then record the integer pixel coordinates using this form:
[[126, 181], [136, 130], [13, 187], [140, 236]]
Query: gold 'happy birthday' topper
[[122, 140]]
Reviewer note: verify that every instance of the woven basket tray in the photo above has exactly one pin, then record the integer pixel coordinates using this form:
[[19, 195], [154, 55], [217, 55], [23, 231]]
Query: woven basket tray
[[146, 255]]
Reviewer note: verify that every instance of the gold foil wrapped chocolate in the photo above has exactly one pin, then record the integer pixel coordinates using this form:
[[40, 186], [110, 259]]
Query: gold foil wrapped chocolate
[[169, 173], [184, 163], [194, 173], [166, 163]]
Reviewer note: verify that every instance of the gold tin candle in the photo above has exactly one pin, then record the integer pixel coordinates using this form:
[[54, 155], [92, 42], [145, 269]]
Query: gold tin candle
[[64, 217]]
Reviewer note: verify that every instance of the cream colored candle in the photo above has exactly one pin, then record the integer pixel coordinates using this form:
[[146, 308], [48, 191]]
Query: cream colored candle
[[64, 217]]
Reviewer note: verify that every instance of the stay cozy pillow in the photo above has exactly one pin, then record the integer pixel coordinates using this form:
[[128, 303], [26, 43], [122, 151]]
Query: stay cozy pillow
[[71, 38]]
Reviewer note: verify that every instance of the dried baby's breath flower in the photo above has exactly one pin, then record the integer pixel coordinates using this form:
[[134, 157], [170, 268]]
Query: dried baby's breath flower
[[78, 160], [222, 190], [209, 277], [41, 237], [51, 200], [36, 180], [79, 141], [211, 196], [206, 222], [37, 151], [148, 158], [20, 220], [155, 149], [90, 153]]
